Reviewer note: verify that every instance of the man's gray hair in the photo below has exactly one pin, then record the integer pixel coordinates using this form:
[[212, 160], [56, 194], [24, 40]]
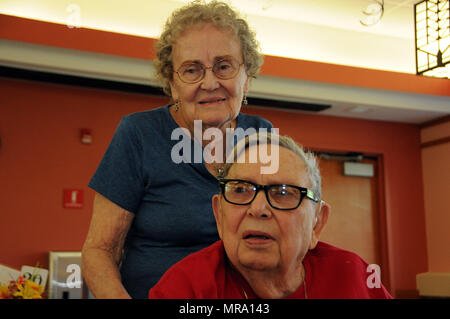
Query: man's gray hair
[[308, 157]]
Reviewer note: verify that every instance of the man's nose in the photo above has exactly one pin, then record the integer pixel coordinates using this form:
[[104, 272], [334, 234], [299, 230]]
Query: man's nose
[[260, 207], [210, 81]]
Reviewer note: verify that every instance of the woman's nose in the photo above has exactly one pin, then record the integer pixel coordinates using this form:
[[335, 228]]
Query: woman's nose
[[210, 81], [259, 207]]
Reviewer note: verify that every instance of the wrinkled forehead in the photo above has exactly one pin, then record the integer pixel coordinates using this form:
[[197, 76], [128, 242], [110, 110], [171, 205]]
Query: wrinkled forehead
[[291, 167], [261, 152]]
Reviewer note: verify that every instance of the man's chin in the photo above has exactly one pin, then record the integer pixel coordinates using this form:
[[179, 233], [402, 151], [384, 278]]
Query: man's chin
[[257, 265]]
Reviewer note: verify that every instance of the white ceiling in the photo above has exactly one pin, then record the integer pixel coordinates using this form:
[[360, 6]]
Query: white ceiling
[[327, 31], [397, 20]]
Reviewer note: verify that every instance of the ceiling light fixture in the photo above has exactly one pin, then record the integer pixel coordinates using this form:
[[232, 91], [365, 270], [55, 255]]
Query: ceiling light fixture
[[374, 12], [267, 4], [432, 29]]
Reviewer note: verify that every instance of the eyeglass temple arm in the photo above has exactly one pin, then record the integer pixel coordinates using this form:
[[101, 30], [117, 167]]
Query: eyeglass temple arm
[[312, 196]]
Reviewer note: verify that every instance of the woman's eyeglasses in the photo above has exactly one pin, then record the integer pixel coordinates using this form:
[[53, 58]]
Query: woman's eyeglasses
[[194, 72], [279, 196]]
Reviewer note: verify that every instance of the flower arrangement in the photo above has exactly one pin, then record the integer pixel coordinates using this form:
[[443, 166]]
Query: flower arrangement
[[21, 289]]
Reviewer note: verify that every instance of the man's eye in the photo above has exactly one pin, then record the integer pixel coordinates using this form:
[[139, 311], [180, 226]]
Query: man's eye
[[284, 192], [281, 192], [240, 189]]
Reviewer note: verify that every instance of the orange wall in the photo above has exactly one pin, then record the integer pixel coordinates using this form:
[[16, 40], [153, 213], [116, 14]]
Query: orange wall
[[436, 181], [41, 154]]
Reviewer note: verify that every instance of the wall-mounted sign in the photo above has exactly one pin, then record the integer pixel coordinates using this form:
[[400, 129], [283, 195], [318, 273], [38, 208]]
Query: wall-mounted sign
[[73, 198]]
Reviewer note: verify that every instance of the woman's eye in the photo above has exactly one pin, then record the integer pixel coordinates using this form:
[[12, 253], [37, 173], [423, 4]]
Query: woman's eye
[[190, 69], [224, 65]]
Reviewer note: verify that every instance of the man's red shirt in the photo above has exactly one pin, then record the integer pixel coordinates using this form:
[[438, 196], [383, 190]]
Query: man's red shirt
[[331, 272]]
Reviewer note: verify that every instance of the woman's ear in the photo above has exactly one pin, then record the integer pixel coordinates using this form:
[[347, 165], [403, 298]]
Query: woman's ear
[[320, 221], [246, 84], [217, 209], [173, 90]]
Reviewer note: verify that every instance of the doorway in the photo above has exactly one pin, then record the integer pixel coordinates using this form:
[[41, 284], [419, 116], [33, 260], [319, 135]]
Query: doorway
[[353, 223]]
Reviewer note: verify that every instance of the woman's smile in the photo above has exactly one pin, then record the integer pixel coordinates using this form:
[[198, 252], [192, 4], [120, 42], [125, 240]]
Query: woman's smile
[[212, 101]]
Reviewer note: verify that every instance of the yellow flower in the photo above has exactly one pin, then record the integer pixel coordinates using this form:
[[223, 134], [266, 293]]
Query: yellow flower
[[21, 289], [4, 292], [25, 289], [31, 290]]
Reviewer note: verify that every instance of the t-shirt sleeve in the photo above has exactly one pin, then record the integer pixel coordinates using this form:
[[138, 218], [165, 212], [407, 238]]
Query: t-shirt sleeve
[[260, 122], [264, 123], [119, 176]]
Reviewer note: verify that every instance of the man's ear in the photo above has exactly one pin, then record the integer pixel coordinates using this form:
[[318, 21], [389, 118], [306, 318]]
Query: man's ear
[[320, 221], [217, 209]]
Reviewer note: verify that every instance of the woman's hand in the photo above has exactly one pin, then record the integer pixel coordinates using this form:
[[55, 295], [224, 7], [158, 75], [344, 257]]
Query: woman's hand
[[102, 249]]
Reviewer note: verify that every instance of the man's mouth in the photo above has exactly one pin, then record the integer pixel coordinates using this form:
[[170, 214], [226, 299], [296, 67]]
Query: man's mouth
[[256, 237], [212, 101]]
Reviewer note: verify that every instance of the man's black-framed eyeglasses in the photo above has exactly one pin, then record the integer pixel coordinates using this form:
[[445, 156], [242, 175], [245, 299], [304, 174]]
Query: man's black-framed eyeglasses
[[193, 72], [279, 196]]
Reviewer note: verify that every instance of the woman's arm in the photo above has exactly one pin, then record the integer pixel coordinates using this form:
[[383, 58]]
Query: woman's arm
[[102, 249]]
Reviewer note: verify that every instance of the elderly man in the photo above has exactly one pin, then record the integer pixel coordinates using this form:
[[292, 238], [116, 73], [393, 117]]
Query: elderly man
[[269, 225]]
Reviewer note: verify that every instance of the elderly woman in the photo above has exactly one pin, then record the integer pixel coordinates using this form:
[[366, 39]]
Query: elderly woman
[[269, 225], [151, 209]]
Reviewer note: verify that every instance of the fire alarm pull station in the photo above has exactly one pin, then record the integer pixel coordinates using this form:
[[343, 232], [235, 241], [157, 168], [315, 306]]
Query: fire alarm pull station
[[73, 198]]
